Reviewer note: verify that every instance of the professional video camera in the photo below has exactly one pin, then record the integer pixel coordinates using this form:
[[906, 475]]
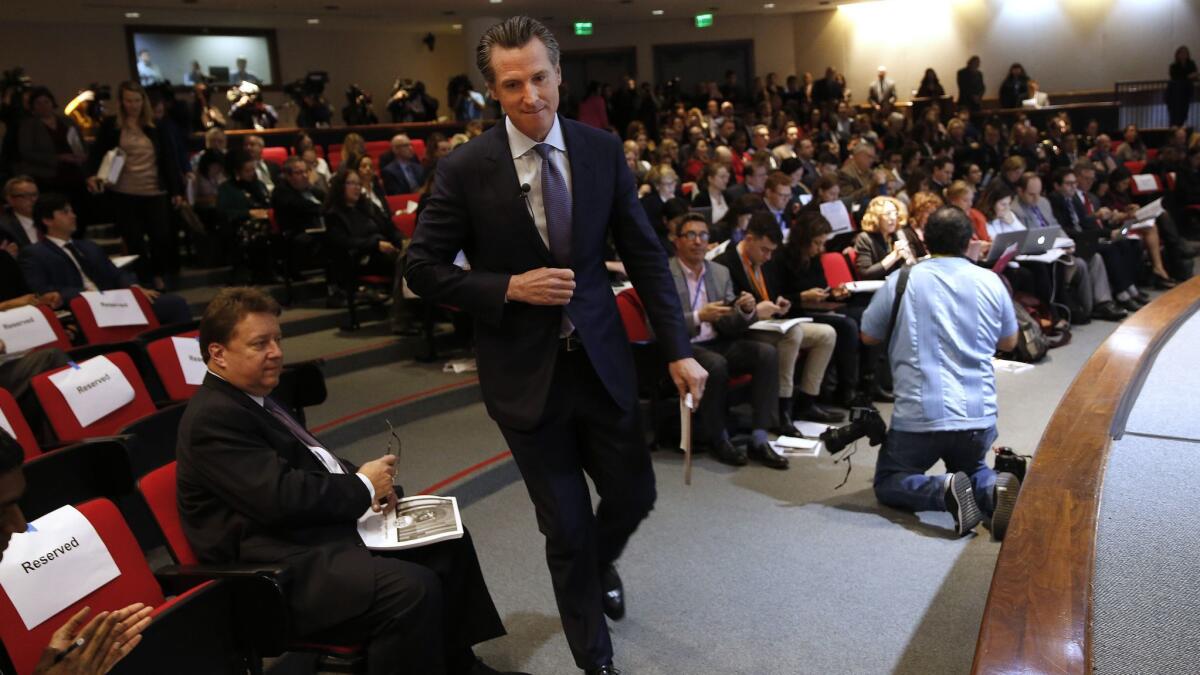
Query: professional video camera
[[411, 103], [248, 108], [358, 108], [15, 81], [311, 85], [87, 108], [864, 422]]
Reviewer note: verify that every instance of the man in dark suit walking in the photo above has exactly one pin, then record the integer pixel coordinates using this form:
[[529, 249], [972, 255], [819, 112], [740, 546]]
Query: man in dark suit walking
[[255, 486], [532, 202]]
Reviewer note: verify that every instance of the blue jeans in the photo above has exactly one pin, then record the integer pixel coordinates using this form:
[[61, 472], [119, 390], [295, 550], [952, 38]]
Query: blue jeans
[[900, 479]]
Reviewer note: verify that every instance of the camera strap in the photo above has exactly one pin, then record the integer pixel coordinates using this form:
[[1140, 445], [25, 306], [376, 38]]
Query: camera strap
[[901, 285]]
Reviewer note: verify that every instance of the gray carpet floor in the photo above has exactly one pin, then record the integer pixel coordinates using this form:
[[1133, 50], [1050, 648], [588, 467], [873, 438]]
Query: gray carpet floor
[[1146, 613], [746, 571]]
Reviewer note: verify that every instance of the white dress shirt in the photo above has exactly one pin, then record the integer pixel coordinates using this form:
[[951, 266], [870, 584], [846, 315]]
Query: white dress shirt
[[528, 164], [88, 284], [699, 295]]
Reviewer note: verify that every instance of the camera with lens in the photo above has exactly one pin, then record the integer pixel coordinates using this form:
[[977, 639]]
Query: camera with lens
[[1008, 461], [864, 423], [15, 80], [355, 95], [311, 85]]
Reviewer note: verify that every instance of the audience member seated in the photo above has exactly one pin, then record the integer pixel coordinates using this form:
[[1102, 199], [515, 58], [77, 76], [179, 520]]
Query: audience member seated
[[661, 186], [243, 202], [256, 487], [16, 220], [60, 264], [372, 184], [353, 147], [1035, 98], [107, 636], [361, 240], [299, 213], [780, 202], [17, 370], [402, 171], [266, 172], [303, 145], [857, 180], [732, 227], [713, 182], [755, 181], [962, 194], [718, 320], [752, 269], [913, 234], [879, 251], [1132, 149]]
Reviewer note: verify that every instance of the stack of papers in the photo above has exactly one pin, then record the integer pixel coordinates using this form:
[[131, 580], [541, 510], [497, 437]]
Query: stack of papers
[[865, 286], [1047, 257], [1014, 367], [779, 325], [790, 446]]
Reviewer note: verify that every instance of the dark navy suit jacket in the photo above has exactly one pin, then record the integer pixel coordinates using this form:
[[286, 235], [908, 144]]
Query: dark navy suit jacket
[[49, 268], [477, 206]]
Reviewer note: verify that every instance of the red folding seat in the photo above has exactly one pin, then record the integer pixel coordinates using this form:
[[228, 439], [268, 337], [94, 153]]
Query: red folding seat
[[63, 421]]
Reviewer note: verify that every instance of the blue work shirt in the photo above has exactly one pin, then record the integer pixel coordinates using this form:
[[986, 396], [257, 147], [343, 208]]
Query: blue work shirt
[[952, 315]]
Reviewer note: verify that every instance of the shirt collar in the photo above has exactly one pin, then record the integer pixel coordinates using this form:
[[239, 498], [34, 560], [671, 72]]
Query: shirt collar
[[257, 399], [61, 243], [519, 144]]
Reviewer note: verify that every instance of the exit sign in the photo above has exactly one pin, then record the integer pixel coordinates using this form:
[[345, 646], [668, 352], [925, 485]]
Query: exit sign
[[583, 27], [703, 20]]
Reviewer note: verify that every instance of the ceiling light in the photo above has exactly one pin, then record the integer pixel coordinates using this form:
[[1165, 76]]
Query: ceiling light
[[656, 12], [457, 26], [132, 15], [495, 2], [769, 5], [313, 22]]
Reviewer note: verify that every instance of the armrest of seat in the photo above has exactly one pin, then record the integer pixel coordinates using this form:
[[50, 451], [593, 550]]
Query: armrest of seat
[[259, 599], [186, 576]]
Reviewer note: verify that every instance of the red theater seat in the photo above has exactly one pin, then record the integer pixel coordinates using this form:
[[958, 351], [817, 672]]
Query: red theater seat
[[67, 427]]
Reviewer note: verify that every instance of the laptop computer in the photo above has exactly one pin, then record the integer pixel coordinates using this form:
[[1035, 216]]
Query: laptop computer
[[1004, 240], [1040, 240]]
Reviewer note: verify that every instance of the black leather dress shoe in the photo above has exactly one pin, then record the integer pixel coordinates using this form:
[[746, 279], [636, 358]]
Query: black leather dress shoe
[[816, 413], [1163, 283], [1128, 305], [603, 670], [614, 593], [728, 453], [1107, 311], [785, 428], [1142, 297], [767, 457]]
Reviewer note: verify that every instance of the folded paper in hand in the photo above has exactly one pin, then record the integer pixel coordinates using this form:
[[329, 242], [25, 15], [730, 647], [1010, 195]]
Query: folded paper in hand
[[1150, 211], [111, 166], [416, 521]]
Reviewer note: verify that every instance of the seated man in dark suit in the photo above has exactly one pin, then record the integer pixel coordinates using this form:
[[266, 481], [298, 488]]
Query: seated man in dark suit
[[16, 219], [404, 173], [59, 264], [298, 207], [717, 321], [255, 486]]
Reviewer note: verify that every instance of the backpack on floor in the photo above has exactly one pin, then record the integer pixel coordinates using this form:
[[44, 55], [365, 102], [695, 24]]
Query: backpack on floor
[[1032, 344]]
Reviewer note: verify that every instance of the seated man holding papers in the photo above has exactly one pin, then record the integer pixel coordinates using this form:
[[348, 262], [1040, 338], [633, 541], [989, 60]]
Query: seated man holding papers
[[255, 486], [753, 271], [108, 636], [718, 322], [69, 266]]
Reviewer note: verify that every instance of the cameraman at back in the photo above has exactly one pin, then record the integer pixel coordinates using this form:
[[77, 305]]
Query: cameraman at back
[[410, 103], [358, 110], [953, 316]]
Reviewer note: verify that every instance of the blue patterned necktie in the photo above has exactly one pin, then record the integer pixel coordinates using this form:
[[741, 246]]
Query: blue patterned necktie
[[556, 202]]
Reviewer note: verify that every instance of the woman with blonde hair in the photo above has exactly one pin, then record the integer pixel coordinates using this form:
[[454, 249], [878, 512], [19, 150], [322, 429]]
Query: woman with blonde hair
[[150, 182], [353, 147], [879, 251], [923, 205]]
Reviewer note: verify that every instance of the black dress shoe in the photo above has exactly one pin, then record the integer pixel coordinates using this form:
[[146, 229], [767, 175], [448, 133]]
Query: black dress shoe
[[1128, 305], [1142, 297], [767, 457], [603, 670], [1107, 311], [786, 427], [1163, 283], [816, 413], [614, 593], [728, 453]]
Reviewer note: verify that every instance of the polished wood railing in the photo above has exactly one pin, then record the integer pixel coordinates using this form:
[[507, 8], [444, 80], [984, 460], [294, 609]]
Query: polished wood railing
[[1038, 613]]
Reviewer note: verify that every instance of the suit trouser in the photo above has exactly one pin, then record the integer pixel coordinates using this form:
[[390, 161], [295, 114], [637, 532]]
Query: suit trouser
[[724, 359], [141, 218], [818, 339], [16, 375], [431, 604], [583, 430]]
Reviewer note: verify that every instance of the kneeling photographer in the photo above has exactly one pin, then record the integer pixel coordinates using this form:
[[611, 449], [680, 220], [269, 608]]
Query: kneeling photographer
[[951, 318]]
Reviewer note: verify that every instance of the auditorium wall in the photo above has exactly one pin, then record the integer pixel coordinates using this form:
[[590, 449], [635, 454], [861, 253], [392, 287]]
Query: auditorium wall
[[66, 57], [1066, 45]]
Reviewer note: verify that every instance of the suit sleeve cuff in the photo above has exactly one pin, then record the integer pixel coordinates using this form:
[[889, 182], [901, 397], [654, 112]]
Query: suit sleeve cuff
[[370, 488]]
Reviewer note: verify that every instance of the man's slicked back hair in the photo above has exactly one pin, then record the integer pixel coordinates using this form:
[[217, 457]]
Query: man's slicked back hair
[[512, 33]]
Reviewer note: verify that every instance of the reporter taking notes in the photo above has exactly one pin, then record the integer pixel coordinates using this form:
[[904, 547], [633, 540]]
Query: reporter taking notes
[[255, 486]]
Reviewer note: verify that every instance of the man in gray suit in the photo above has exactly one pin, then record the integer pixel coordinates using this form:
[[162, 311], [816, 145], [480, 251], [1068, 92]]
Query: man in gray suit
[[717, 321], [882, 91]]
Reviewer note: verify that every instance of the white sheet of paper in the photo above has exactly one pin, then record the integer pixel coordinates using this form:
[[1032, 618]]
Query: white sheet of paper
[[717, 250], [6, 425], [810, 429], [187, 349], [790, 446], [123, 260], [1146, 182], [1013, 367], [24, 328], [1150, 211], [93, 388], [779, 325], [804, 199], [837, 215], [54, 565], [115, 308], [1142, 225], [865, 286], [1064, 242], [411, 207]]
